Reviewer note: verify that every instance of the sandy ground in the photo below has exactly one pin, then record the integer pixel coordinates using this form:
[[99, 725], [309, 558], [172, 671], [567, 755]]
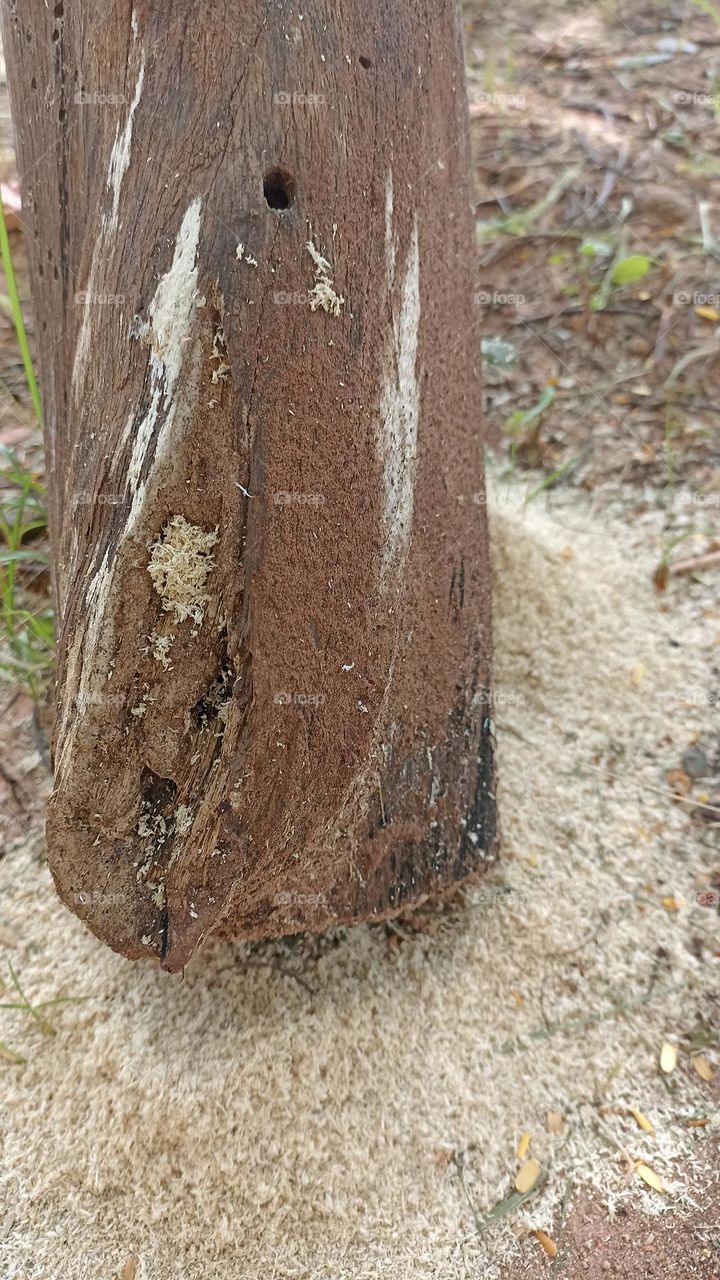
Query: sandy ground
[[351, 1105]]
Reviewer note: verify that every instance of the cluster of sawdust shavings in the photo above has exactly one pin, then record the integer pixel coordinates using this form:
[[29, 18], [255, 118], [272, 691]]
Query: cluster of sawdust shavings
[[156, 827], [242, 256], [151, 827], [159, 647], [159, 893], [180, 564], [141, 705], [219, 352], [323, 295], [183, 820]]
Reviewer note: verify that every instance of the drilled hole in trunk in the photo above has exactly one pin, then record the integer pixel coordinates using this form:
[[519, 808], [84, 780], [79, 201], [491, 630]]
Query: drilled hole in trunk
[[279, 189]]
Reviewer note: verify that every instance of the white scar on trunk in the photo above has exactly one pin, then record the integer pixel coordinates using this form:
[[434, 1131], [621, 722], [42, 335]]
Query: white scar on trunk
[[397, 447], [119, 162], [389, 237], [120, 154], [171, 311], [400, 400]]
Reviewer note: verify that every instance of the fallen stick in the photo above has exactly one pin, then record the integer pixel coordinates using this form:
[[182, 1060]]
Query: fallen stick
[[711, 560]]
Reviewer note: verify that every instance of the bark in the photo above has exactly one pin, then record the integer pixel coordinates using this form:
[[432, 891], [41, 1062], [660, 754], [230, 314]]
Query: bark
[[252, 265]]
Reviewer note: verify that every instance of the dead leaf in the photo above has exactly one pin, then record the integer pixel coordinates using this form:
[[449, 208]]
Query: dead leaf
[[673, 904], [679, 780], [707, 313], [641, 1121], [129, 1270], [527, 1175], [522, 1146], [547, 1243], [702, 1067], [554, 1122], [649, 1176], [638, 673], [668, 1057], [442, 1157]]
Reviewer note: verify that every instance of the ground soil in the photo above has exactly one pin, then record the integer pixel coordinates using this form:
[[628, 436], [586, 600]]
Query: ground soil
[[639, 148], [628, 159]]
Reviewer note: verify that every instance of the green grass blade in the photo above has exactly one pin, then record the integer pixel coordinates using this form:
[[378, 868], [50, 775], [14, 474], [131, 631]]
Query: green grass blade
[[555, 475], [10, 1055], [38, 557], [710, 9], [17, 315], [42, 1022]]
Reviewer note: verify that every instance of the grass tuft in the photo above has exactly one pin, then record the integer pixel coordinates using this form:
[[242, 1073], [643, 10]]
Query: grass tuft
[[26, 633], [34, 1010], [17, 316]]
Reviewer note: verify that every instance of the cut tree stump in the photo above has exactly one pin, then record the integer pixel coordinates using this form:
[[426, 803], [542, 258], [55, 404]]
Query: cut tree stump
[[252, 264]]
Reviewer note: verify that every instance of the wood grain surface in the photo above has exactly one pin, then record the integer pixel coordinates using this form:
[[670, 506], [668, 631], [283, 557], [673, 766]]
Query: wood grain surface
[[253, 272]]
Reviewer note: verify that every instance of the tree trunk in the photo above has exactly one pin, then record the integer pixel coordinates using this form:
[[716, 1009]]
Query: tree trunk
[[252, 263]]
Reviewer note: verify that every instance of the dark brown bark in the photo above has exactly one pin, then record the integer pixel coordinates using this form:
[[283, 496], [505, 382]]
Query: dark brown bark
[[252, 262]]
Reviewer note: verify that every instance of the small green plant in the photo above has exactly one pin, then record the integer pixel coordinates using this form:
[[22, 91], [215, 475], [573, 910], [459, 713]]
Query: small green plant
[[16, 312], [26, 650], [520, 223], [623, 270], [26, 634], [35, 1011], [662, 569], [524, 425], [552, 479]]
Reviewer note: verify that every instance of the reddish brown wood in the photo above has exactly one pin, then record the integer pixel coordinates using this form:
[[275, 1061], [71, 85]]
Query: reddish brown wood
[[252, 263]]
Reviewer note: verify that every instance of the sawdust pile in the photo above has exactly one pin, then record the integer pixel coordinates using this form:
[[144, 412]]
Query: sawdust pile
[[253, 1128], [323, 292], [180, 564]]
